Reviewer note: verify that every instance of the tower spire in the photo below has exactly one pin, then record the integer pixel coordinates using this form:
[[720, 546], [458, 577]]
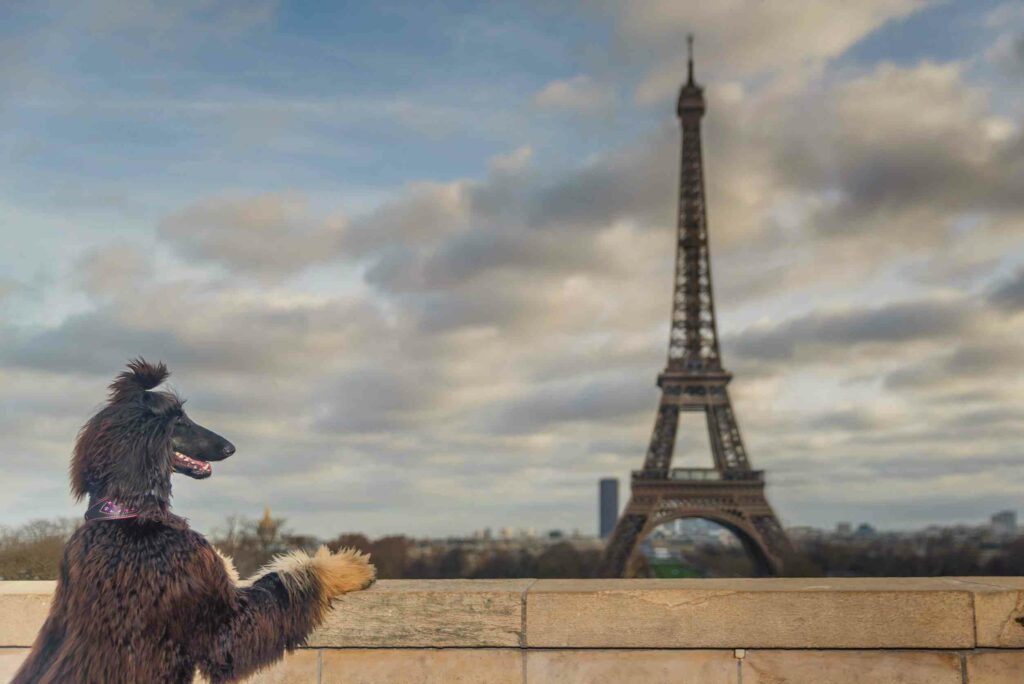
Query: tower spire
[[691, 95], [693, 339], [689, 62]]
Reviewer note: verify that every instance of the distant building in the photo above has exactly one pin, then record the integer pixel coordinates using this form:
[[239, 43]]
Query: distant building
[[865, 531], [844, 529], [804, 533], [608, 506], [1004, 523]]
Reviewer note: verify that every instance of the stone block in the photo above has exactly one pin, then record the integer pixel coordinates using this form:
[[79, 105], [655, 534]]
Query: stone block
[[10, 660], [995, 667], [24, 607], [851, 667], [422, 666], [632, 667], [998, 605], [299, 667], [750, 613], [429, 613]]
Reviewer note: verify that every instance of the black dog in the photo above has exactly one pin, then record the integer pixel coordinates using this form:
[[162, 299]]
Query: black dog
[[141, 597]]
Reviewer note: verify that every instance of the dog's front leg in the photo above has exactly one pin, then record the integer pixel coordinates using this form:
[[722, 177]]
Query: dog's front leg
[[284, 603]]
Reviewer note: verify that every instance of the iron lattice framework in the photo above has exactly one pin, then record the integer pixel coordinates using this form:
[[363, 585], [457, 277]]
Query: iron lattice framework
[[730, 493]]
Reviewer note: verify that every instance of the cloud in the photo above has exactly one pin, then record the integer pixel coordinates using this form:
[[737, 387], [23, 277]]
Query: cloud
[[268, 236], [463, 256], [480, 255], [88, 343], [478, 346], [8, 286], [913, 173], [739, 39], [1007, 52], [604, 398], [198, 328], [971, 362], [112, 269], [515, 162], [421, 213], [153, 21], [577, 94], [847, 171], [501, 309], [847, 420], [1009, 294], [377, 399], [1007, 49], [635, 184], [836, 334]]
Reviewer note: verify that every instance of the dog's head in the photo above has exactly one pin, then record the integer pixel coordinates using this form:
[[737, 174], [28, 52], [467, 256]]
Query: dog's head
[[129, 449]]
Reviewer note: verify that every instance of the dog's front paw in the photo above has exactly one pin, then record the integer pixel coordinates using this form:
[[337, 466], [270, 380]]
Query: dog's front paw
[[344, 571]]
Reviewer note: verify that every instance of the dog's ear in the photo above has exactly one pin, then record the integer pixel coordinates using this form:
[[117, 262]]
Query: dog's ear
[[140, 376]]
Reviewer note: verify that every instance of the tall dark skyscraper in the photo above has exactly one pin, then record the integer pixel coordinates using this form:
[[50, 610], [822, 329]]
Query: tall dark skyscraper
[[609, 505]]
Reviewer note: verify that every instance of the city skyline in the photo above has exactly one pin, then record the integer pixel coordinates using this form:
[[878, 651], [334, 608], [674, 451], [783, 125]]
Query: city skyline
[[415, 261]]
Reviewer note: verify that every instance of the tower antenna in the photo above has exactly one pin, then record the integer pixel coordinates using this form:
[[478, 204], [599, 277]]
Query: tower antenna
[[689, 63]]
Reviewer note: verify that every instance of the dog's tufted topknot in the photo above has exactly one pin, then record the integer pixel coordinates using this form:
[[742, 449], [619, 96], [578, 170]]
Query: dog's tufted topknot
[[140, 376]]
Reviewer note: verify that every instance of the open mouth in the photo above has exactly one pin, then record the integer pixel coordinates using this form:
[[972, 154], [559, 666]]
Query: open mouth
[[193, 467]]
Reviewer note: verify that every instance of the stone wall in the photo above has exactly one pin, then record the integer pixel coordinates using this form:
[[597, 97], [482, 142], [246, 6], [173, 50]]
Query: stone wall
[[744, 631]]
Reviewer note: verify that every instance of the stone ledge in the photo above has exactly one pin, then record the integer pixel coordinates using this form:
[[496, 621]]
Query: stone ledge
[[422, 666], [995, 667], [627, 667], [852, 667], [751, 613], [998, 605], [630, 666], [10, 661], [23, 609], [431, 613], [876, 613]]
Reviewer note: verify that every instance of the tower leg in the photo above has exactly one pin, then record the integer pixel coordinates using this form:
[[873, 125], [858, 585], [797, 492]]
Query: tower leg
[[726, 443], [663, 440], [774, 540], [621, 544]]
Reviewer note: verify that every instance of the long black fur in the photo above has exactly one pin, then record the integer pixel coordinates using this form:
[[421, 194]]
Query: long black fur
[[147, 599]]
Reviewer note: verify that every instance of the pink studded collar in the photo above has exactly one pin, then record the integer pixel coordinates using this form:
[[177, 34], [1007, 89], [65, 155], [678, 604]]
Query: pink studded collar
[[108, 509]]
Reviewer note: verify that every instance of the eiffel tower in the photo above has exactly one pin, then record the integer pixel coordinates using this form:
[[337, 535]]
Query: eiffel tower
[[730, 493]]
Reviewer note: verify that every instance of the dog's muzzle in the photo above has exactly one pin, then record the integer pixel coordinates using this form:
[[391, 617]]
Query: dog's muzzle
[[193, 467]]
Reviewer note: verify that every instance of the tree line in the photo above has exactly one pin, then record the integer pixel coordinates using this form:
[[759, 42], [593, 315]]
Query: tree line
[[33, 552]]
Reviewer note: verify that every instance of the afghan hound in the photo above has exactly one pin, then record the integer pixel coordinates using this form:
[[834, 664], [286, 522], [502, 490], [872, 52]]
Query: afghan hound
[[143, 598]]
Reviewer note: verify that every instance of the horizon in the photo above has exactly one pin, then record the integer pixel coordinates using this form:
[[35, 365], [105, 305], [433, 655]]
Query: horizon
[[416, 261]]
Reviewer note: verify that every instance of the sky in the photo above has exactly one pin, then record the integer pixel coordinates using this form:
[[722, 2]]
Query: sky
[[414, 258]]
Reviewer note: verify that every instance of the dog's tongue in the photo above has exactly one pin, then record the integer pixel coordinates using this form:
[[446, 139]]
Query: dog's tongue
[[191, 466]]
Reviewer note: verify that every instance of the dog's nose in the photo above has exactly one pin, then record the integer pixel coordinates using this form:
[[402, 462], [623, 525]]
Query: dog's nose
[[228, 449]]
